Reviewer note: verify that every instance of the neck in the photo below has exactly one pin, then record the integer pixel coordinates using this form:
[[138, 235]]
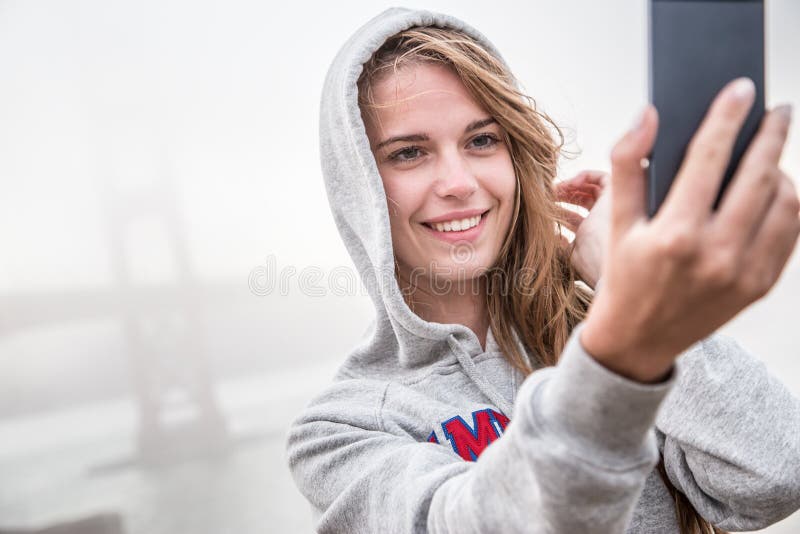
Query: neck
[[449, 302]]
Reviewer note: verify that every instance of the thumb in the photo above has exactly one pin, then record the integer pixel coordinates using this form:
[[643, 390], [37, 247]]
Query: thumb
[[628, 187]]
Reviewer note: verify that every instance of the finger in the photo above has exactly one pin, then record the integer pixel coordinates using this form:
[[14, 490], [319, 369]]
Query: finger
[[627, 174], [585, 178], [748, 197], [695, 187], [566, 190], [594, 177], [580, 188], [569, 218], [589, 177], [580, 198], [775, 239]]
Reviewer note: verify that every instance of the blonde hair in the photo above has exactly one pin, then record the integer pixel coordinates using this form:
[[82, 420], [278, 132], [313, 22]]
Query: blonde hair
[[532, 288]]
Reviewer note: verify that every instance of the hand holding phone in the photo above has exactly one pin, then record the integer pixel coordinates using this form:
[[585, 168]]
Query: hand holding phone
[[673, 279]]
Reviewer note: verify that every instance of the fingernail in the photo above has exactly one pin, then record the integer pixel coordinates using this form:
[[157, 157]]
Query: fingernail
[[784, 110], [744, 89]]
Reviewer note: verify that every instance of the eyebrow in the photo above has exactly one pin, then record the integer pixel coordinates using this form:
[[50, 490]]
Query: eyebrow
[[474, 125]]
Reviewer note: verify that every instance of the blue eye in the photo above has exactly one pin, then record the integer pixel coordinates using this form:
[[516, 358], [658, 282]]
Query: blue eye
[[410, 154], [487, 141], [406, 154]]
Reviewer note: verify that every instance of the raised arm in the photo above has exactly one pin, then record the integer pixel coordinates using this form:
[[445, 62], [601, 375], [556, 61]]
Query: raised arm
[[573, 459]]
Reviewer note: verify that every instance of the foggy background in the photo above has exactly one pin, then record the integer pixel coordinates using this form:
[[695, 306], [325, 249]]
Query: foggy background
[[160, 196]]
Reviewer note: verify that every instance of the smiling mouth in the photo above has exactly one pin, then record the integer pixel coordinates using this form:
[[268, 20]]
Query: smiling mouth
[[457, 225]]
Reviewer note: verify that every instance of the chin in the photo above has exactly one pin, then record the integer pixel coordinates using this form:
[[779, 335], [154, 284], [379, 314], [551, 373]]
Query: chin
[[463, 271]]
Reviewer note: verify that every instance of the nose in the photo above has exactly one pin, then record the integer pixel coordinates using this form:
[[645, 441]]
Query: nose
[[455, 178]]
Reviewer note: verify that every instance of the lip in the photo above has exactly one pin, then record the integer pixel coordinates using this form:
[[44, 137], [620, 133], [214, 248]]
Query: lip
[[462, 235], [463, 214]]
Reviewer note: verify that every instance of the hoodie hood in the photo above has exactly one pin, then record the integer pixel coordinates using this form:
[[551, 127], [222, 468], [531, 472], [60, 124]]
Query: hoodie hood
[[358, 202]]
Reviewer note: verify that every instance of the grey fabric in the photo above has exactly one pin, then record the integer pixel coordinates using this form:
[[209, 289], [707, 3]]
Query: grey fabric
[[423, 430]]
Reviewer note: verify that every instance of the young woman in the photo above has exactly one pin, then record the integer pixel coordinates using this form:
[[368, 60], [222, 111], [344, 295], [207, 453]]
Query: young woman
[[494, 391]]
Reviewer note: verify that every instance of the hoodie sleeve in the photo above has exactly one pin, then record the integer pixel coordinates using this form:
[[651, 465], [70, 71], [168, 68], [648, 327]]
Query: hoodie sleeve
[[730, 436], [574, 458]]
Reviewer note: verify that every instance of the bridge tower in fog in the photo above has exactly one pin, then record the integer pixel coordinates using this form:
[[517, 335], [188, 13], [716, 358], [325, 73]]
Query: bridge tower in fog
[[177, 408]]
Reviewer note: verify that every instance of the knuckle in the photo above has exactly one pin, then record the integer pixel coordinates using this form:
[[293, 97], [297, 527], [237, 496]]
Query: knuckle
[[706, 149], [766, 177], [789, 195], [785, 204], [721, 271], [679, 243]]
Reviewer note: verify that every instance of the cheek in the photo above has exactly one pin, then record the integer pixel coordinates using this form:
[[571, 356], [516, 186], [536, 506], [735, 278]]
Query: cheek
[[504, 183], [504, 190], [402, 198], [401, 203]]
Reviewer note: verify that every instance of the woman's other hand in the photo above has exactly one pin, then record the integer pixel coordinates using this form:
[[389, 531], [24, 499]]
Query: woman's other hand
[[588, 189], [674, 279]]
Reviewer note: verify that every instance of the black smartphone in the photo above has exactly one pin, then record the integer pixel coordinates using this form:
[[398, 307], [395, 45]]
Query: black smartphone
[[696, 48]]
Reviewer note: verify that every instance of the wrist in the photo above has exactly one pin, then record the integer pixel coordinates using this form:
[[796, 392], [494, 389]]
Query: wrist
[[627, 360]]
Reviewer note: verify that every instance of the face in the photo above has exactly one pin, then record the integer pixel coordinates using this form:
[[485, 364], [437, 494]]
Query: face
[[447, 173]]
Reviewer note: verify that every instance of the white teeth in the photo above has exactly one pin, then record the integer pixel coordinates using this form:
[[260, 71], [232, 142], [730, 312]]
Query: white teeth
[[458, 225]]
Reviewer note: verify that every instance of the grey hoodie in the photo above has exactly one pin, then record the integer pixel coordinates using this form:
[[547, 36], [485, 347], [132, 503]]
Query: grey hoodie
[[422, 430]]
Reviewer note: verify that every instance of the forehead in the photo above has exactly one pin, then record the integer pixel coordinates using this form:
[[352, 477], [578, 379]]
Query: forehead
[[422, 93], [413, 79]]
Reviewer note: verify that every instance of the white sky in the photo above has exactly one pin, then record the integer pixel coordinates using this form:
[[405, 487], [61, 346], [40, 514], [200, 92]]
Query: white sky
[[223, 96]]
